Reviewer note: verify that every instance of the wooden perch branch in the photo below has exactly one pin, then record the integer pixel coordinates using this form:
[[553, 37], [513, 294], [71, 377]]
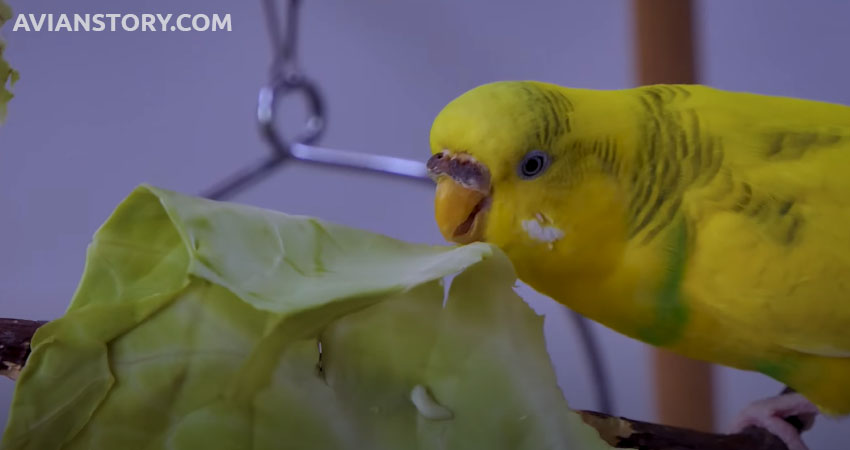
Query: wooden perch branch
[[619, 432], [15, 338]]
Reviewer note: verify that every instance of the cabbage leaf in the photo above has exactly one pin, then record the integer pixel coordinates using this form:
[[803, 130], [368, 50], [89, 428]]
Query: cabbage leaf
[[198, 325]]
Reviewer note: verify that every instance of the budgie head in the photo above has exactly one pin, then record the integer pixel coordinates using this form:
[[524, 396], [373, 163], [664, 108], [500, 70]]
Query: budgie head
[[535, 169]]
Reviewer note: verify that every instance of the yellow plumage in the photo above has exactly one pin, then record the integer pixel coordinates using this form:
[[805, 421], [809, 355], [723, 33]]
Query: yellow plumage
[[712, 223]]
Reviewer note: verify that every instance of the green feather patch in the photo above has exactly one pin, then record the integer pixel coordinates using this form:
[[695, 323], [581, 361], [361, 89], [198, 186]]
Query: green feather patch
[[671, 310]]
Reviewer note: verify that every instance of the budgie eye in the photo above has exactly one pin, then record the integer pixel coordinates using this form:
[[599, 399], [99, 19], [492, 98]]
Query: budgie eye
[[533, 164]]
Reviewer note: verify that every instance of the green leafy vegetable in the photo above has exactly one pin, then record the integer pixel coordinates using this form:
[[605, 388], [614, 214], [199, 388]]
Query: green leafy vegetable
[[197, 325], [8, 76]]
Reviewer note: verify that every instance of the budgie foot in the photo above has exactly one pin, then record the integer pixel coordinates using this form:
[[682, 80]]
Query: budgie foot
[[770, 414]]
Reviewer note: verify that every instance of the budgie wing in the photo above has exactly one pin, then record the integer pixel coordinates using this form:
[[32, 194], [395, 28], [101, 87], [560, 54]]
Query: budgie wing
[[772, 222]]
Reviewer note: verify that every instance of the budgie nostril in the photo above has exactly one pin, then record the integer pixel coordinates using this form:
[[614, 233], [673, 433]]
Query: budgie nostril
[[462, 168]]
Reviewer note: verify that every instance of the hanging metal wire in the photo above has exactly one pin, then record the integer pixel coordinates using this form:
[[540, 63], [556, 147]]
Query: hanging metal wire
[[286, 79]]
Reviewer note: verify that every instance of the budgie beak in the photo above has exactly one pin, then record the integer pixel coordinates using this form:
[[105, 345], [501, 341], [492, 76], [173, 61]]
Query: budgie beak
[[462, 197]]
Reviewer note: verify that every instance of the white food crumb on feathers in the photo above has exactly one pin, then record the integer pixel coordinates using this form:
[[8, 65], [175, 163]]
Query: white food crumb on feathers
[[543, 233]]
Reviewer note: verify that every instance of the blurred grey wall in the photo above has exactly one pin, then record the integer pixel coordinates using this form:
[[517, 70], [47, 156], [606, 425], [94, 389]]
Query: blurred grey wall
[[95, 114]]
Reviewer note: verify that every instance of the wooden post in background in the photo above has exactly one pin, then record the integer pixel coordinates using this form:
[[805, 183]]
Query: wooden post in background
[[665, 53]]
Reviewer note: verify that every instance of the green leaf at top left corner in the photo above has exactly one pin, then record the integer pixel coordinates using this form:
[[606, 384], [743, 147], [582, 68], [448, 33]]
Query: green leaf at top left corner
[[8, 75]]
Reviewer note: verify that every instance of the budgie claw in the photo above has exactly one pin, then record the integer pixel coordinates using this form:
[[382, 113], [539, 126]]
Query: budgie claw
[[770, 414]]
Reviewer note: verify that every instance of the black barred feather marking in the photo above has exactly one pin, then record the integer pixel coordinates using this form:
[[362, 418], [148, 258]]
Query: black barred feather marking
[[674, 155], [553, 110], [794, 144], [779, 218]]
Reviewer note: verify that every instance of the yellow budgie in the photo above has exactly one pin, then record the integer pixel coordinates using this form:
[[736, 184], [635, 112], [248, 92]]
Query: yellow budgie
[[715, 224]]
